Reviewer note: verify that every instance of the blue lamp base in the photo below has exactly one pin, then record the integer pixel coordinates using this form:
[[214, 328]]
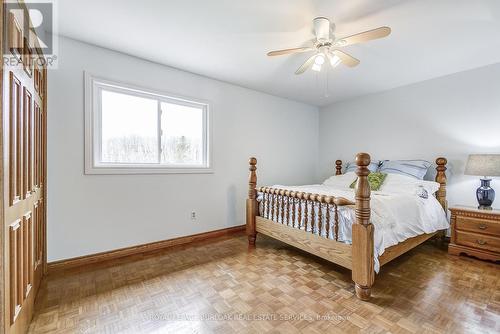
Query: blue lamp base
[[485, 195]]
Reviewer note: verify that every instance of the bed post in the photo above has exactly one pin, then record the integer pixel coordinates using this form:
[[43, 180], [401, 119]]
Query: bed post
[[441, 179], [363, 273], [252, 202], [338, 167]]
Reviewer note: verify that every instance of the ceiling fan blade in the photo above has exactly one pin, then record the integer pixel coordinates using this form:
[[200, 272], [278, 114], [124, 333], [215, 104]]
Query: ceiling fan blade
[[289, 51], [306, 64], [346, 58], [364, 36]]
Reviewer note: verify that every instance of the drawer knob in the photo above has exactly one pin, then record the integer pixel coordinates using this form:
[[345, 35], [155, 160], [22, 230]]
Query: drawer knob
[[481, 242], [482, 227]]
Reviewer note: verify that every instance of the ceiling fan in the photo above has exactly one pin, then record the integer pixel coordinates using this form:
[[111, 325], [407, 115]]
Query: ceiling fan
[[326, 46]]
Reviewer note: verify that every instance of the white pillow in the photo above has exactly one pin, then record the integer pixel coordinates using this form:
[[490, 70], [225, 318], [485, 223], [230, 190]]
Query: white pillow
[[401, 184], [341, 181]]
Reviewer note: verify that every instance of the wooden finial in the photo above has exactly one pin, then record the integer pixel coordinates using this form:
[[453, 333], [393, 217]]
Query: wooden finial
[[441, 179], [338, 167], [363, 189], [252, 179], [252, 202], [363, 273]]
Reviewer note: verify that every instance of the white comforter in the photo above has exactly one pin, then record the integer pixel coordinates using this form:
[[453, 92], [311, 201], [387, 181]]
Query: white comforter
[[396, 217]]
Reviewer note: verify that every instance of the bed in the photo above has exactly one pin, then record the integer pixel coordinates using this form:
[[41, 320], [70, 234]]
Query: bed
[[356, 228]]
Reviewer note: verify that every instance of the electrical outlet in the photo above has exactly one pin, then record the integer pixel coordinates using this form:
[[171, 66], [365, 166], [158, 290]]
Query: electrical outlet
[[193, 215]]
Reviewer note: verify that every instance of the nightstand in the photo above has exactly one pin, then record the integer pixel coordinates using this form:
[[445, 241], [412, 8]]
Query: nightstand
[[475, 232]]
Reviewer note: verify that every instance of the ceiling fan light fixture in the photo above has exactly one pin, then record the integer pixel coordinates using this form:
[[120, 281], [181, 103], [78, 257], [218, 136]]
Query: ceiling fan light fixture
[[334, 60], [316, 67], [319, 60]]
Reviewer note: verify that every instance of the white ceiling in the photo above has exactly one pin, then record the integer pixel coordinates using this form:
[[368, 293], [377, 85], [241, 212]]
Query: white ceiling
[[228, 39]]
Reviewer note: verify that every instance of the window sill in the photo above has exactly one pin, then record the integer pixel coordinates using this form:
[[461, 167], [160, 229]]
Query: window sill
[[107, 170]]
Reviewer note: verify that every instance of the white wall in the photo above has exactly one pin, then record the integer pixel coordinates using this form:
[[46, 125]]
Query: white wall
[[95, 213], [450, 116]]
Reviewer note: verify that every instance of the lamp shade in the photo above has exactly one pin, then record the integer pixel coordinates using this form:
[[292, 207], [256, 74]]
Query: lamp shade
[[483, 165]]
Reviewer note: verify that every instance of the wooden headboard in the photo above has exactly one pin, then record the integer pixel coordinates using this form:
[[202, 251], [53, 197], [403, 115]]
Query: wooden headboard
[[440, 178]]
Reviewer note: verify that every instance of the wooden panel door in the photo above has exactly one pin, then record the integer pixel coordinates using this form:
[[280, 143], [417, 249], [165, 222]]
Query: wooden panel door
[[23, 178]]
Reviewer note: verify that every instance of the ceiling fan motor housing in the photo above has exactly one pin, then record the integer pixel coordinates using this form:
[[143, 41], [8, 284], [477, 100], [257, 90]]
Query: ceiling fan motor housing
[[322, 29]]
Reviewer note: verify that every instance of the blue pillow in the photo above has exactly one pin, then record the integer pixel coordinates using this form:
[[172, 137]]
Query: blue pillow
[[373, 167], [414, 168]]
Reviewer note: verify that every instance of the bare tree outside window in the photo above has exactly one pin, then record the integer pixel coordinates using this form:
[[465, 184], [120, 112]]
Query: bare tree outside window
[[182, 128], [129, 127]]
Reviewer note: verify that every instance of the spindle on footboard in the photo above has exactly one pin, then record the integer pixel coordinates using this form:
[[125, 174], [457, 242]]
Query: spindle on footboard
[[299, 209]]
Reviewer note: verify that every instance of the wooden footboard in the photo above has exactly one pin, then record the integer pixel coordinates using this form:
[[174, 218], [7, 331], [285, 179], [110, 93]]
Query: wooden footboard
[[331, 250], [306, 220], [279, 204]]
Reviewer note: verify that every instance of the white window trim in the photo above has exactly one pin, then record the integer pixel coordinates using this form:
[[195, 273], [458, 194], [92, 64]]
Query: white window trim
[[93, 128]]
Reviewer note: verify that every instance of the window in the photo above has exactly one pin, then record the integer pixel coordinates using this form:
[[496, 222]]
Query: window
[[130, 130]]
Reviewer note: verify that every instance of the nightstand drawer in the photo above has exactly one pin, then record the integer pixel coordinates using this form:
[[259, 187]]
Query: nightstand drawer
[[478, 241], [477, 225]]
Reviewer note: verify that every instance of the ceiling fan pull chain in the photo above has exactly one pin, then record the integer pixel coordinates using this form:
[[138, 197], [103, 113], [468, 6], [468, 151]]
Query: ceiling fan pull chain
[[327, 82]]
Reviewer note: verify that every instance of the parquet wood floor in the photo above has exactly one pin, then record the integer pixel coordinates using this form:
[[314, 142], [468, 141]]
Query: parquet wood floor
[[220, 286]]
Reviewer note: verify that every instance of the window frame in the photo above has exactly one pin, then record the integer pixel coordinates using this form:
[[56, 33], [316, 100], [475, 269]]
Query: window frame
[[93, 129]]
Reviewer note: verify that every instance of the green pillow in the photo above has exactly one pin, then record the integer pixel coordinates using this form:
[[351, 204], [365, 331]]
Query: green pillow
[[374, 179]]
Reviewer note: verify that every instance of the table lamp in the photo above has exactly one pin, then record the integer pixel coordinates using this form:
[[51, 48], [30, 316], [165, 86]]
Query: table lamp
[[484, 165]]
